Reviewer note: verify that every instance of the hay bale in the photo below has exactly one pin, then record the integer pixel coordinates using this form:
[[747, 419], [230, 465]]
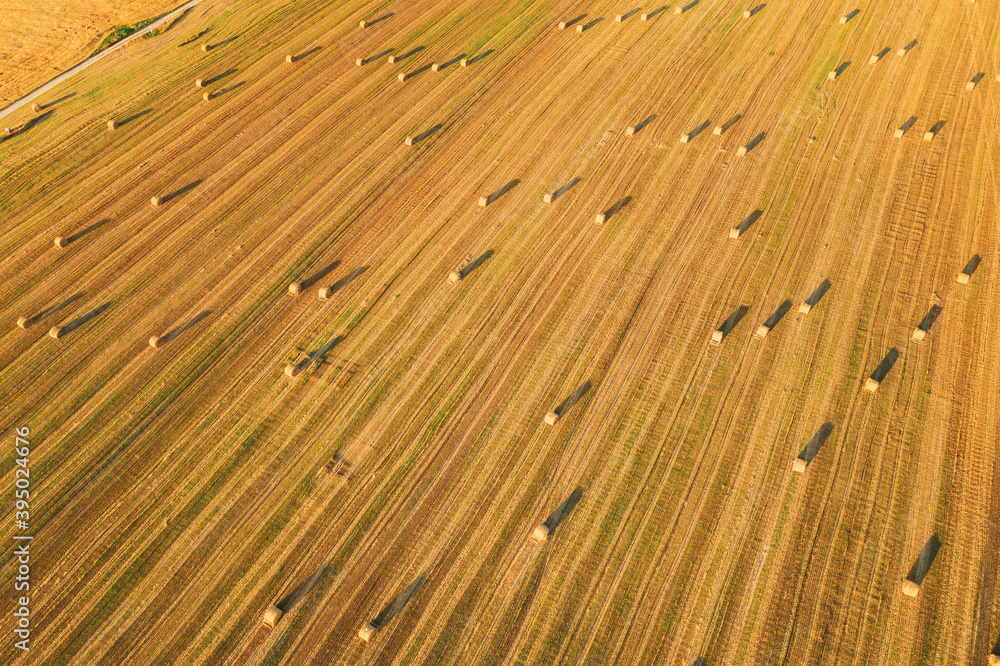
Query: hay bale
[[741, 151], [717, 131], [929, 135], [367, 632], [910, 588], [540, 534], [994, 659], [618, 18], [363, 24], [547, 198], [289, 58], [898, 134], [401, 77], [799, 465], [970, 85], [435, 67], [207, 97], [562, 25], [392, 59], [294, 288], [832, 74], [360, 61], [918, 334], [872, 59], [454, 277], [644, 16], [112, 124], [408, 141], [55, 332], [155, 342], [464, 62], [734, 232], [205, 48], [199, 83], [600, 218], [325, 293], [551, 418], [685, 138], [998, 77], [271, 616], [59, 241], [871, 385], [746, 13], [630, 130], [805, 308], [24, 322], [963, 278], [291, 370], [36, 108], [716, 338], [484, 201], [579, 28], [762, 332], [155, 201], [678, 11]]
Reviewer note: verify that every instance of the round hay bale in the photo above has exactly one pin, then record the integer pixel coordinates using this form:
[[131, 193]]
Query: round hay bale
[[540, 534], [55, 332], [484, 201], [367, 632], [289, 58], [579, 28], [454, 277], [618, 18], [166, 522], [871, 385], [551, 418], [360, 61], [294, 288], [112, 124], [401, 77], [435, 67], [363, 24], [156, 201], [408, 141], [325, 293], [199, 83], [963, 278], [392, 60], [600, 218], [741, 151], [464, 62], [805, 308], [155, 342], [24, 322], [271, 616], [291, 370], [644, 16], [630, 131], [746, 13], [207, 96], [799, 465], [910, 588], [36, 108], [205, 48], [562, 25], [59, 241]]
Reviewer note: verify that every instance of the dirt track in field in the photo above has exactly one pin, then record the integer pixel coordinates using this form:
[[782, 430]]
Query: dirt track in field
[[180, 492]]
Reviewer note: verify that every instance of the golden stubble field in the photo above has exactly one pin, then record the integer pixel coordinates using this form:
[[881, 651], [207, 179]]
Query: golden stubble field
[[179, 492], [41, 38]]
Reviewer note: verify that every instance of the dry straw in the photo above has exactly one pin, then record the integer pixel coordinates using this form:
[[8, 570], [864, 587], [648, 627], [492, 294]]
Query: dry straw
[[271, 616], [910, 588], [367, 632], [112, 124], [24, 322], [551, 418], [55, 332], [60, 241], [156, 201], [294, 288], [540, 534], [155, 342]]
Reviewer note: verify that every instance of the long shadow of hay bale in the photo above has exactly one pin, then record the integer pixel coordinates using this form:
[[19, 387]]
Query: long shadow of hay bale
[[568, 403], [915, 578]]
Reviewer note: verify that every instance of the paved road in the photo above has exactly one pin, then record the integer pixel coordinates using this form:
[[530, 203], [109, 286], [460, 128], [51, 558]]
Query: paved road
[[27, 99]]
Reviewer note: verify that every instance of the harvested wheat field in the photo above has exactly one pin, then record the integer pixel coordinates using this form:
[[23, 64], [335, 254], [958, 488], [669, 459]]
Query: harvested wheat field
[[364, 469]]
